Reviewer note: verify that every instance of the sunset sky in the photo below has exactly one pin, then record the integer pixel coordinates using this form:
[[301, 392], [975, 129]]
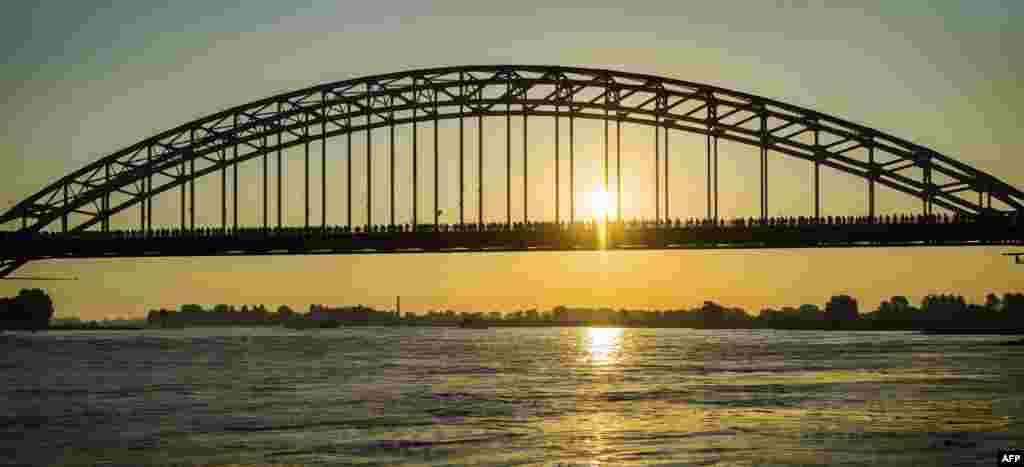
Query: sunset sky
[[83, 79]]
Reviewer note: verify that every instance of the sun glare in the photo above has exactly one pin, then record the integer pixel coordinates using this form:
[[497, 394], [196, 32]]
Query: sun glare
[[600, 205]]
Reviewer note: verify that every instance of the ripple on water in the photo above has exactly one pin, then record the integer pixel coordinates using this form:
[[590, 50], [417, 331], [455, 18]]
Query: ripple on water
[[422, 396]]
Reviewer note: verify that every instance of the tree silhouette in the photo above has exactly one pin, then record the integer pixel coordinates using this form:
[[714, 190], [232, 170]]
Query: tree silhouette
[[841, 308], [31, 309], [992, 302]]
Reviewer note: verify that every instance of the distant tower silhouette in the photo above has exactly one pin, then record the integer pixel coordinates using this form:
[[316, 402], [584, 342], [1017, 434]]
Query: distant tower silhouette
[[398, 306]]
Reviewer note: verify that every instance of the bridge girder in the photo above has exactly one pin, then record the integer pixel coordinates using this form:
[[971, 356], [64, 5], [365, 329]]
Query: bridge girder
[[325, 111]]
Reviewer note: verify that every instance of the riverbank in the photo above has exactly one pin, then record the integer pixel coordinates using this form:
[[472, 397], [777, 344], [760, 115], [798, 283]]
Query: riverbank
[[309, 324], [96, 328]]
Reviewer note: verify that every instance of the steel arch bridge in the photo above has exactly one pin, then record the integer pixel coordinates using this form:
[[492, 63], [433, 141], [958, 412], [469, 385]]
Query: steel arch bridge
[[80, 204]]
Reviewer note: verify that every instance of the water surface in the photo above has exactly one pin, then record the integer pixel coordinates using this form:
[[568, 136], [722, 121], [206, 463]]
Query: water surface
[[506, 396]]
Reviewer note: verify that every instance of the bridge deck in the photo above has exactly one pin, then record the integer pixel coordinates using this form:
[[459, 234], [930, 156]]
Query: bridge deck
[[334, 241]]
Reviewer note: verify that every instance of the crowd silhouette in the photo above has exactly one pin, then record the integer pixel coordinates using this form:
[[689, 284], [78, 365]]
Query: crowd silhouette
[[677, 224]]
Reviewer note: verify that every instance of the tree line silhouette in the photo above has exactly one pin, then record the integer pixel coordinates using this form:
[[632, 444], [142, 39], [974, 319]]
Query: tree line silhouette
[[32, 309], [936, 311]]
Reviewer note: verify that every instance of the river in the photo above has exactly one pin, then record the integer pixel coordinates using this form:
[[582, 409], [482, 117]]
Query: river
[[506, 396]]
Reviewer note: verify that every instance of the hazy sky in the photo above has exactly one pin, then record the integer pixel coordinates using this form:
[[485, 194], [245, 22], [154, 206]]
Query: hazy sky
[[83, 79]]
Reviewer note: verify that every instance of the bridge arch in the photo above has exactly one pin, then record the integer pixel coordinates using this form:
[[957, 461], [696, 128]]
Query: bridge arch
[[351, 106]]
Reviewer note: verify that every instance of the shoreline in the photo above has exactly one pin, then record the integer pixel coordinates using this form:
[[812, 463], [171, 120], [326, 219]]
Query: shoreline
[[455, 325]]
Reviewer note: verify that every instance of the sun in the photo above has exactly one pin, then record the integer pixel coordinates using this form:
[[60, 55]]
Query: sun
[[600, 205]]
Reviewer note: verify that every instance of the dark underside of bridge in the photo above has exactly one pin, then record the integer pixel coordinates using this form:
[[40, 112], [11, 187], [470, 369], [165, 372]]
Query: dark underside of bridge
[[611, 238]]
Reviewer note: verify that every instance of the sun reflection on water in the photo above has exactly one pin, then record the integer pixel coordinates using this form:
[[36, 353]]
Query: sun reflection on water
[[604, 345]]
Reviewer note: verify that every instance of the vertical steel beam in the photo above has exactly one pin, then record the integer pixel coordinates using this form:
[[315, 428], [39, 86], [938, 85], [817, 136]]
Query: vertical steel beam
[[462, 154], [280, 175], [871, 181], [526, 173], [508, 152], [415, 160], [348, 171], [572, 165], [223, 189], [391, 148], [323, 162], [604, 144], [817, 173], [618, 168], [234, 174], [266, 221], [557, 164], [480, 169], [305, 146], [764, 166], [712, 155], [668, 217], [192, 181], [707, 148], [437, 214], [142, 206], [192, 193], [369, 166], [64, 217], [657, 171], [927, 195], [149, 192], [714, 160], [184, 202]]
